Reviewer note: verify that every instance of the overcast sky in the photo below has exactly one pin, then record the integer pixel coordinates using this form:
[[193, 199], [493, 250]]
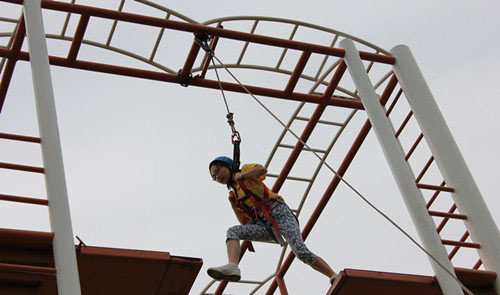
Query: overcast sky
[[136, 151]]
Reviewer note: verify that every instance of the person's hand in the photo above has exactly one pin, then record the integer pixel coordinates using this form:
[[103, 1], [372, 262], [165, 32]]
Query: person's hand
[[232, 197], [238, 176]]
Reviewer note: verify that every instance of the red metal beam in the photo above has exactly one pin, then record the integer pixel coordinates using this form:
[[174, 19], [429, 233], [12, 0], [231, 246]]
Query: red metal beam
[[28, 257], [447, 215], [361, 282], [87, 11], [445, 220], [335, 182], [24, 239], [13, 1], [282, 285], [18, 199], [393, 104], [461, 244], [11, 62], [165, 77], [478, 264], [435, 187], [299, 68], [27, 269], [20, 137], [188, 64], [426, 167], [5, 82], [309, 128], [21, 167], [412, 149], [208, 59], [405, 121], [434, 196], [213, 31], [476, 278], [77, 39], [377, 57], [456, 248]]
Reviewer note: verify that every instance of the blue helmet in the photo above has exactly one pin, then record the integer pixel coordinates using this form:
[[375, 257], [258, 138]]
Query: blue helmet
[[226, 161]]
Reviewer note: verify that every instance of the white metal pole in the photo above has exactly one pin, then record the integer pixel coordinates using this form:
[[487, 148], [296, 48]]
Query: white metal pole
[[68, 282], [401, 170], [480, 223]]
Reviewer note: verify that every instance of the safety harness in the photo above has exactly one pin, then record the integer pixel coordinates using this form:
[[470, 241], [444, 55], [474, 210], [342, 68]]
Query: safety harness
[[263, 204]]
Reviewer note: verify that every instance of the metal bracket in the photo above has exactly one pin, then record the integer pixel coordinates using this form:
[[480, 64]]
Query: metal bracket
[[185, 81], [202, 39]]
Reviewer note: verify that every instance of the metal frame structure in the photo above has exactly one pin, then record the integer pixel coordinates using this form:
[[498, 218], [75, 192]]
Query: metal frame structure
[[400, 168], [330, 74], [480, 224], [68, 281]]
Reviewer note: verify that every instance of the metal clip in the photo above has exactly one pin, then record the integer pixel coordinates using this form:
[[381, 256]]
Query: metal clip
[[230, 121], [235, 137]]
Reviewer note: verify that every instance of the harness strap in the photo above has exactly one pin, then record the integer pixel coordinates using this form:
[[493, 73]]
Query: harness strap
[[245, 209], [263, 205], [236, 156]]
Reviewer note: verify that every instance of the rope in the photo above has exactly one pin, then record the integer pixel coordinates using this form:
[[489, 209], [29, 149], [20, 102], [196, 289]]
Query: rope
[[340, 177], [235, 136], [220, 86]]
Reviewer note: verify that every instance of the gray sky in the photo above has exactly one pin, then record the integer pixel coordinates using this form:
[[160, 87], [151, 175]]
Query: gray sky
[[136, 151]]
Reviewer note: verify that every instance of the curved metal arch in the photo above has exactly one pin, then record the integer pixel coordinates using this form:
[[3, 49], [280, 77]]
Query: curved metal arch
[[298, 23], [166, 69], [117, 50], [167, 10], [351, 94], [108, 47]]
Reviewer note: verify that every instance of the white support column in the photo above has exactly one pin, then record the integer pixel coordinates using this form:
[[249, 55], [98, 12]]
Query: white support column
[[401, 170], [68, 282], [480, 223]]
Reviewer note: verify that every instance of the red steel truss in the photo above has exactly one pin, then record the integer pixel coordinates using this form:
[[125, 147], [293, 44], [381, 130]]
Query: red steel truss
[[86, 12]]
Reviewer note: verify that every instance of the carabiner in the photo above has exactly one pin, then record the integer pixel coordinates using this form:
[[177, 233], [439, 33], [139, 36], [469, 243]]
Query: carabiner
[[235, 137]]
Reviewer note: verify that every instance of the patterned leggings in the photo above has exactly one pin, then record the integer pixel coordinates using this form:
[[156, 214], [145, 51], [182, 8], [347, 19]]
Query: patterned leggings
[[288, 226]]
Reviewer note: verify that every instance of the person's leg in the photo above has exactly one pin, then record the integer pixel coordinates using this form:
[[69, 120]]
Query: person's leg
[[249, 232], [323, 267], [230, 271], [233, 251], [290, 230]]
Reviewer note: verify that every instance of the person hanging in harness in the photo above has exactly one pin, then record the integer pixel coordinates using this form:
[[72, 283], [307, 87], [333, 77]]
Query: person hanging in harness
[[264, 216]]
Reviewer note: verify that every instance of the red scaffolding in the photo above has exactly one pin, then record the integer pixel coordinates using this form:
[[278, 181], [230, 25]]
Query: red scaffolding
[[175, 275]]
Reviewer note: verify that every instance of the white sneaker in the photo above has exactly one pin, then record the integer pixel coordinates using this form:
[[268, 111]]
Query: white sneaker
[[229, 272], [333, 278]]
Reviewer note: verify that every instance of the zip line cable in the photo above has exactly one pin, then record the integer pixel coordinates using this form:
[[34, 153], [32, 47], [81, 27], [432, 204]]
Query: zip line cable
[[211, 53]]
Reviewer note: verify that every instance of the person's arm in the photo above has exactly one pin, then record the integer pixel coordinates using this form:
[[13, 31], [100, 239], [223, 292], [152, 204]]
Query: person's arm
[[238, 212], [256, 171]]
